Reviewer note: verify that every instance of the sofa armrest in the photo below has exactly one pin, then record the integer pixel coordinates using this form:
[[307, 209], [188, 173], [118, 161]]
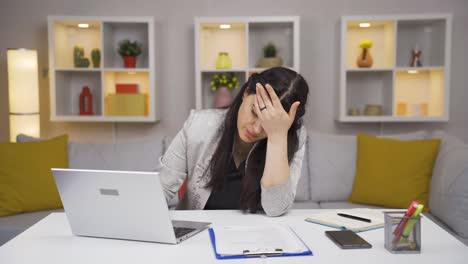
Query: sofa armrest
[[448, 198]]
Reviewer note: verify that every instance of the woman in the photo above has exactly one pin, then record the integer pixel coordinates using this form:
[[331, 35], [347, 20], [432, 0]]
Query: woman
[[246, 157]]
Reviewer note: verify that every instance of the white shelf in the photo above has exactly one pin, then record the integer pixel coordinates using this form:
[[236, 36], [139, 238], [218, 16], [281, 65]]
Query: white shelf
[[127, 69], [427, 34], [419, 68], [424, 89], [369, 69], [78, 118], [406, 94], [66, 35], [69, 84], [114, 32], [381, 33], [280, 33], [78, 69], [244, 42], [262, 69], [373, 119], [224, 70], [103, 33], [212, 40]]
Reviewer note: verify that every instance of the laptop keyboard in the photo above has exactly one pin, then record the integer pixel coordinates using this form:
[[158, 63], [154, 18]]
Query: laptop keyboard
[[182, 231]]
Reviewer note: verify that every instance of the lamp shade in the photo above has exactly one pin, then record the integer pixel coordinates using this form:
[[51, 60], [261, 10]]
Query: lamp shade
[[23, 90]]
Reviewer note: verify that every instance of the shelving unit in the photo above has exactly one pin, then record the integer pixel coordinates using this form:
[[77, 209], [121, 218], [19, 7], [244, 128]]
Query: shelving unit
[[104, 33], [244, 42], [405, 93]]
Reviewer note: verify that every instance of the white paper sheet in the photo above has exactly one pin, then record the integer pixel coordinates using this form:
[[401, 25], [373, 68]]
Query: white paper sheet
[[233, 240]]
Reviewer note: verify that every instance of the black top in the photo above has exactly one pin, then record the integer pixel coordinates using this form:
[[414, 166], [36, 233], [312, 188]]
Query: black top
[[229, 196]]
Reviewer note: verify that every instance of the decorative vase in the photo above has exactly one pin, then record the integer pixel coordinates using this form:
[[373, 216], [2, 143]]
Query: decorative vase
[[223, 97], [86, 101], [373, 110], [78, 54], [96, 58], [354, 111], [401, 109], [223, 61], [269, 62], [130, 61], [364, 59]]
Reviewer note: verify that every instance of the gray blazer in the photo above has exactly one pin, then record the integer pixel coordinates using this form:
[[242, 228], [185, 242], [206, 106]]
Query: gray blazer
[[189, 155]]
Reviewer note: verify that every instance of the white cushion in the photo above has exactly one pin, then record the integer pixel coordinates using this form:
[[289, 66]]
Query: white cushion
[[332, 164], [133, 155], [448, 197], [346, 205], [305, 205], [140, 155]]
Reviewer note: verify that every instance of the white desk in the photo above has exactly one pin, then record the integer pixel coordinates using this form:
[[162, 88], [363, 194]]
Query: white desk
[[50, 241]]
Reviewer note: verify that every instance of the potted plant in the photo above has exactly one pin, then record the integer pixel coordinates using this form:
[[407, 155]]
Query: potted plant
[[269, 57], [222, 84], [129, 51]]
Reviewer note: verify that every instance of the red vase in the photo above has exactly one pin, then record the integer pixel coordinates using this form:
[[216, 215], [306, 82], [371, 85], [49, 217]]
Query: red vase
[[129, 61], [86, 102]]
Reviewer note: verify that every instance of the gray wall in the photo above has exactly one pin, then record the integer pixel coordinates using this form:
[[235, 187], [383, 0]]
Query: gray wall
[[24, 24]]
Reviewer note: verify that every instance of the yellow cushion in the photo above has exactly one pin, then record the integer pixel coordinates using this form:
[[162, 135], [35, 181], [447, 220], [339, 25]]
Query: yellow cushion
[[26, 181], [391, 172]]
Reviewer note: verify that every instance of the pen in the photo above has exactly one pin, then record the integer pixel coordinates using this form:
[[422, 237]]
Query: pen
[[355, 217], [399, 229], [409, 213], [409, 225]]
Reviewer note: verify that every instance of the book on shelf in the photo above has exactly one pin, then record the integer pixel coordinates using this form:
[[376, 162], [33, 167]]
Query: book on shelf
[[122, 88], [332, 219]]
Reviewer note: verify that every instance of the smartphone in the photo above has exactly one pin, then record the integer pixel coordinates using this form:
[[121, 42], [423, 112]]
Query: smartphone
[[347, 239]]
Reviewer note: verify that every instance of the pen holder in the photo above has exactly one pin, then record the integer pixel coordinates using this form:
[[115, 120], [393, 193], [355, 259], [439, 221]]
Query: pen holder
[[402, 234]]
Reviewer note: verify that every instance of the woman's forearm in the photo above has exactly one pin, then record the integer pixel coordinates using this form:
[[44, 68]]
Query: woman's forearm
[[276, 170]]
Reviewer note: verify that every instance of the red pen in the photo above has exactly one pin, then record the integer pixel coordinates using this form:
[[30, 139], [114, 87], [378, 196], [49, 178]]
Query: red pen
[[399, 229]]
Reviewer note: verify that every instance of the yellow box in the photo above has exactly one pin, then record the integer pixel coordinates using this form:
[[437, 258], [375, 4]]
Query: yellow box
[[126, 105]]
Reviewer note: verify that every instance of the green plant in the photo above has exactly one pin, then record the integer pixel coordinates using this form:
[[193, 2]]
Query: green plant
[[228, 80], [269, 51], [129, 48]]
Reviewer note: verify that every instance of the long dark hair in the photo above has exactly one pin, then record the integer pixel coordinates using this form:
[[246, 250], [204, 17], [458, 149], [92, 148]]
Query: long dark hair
[[290, 87]]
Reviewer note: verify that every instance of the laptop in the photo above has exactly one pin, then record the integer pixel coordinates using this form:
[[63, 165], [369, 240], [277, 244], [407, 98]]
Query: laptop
[[120, 204]]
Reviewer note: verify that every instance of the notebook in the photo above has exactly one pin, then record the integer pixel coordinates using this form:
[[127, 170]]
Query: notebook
[[254, 241], [332, 219]]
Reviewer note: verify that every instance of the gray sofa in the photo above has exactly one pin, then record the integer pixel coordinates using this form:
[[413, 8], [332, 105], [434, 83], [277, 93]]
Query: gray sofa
[[326, 180]]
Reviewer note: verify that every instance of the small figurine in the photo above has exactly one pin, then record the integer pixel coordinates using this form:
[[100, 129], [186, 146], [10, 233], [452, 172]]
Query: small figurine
[[416, 57]]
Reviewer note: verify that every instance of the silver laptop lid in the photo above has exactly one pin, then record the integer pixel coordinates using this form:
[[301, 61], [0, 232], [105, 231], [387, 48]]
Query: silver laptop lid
[[115, 204]]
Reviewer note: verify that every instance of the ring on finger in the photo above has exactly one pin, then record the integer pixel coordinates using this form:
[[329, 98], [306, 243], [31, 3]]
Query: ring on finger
[[263, 108]]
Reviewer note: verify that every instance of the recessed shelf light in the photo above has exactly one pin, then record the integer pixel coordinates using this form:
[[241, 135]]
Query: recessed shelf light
[[83, 25], [413, 71], [364, 25], [225, 26]]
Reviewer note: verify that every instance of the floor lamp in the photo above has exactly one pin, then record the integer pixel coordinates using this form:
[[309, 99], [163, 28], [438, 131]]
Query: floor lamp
[[23, 90]]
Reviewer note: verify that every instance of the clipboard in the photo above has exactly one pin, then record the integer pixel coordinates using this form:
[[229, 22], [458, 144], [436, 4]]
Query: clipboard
[[257, 254]]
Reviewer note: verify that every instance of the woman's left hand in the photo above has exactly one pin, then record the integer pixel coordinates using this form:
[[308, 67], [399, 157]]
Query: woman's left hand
[[274, 119]]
